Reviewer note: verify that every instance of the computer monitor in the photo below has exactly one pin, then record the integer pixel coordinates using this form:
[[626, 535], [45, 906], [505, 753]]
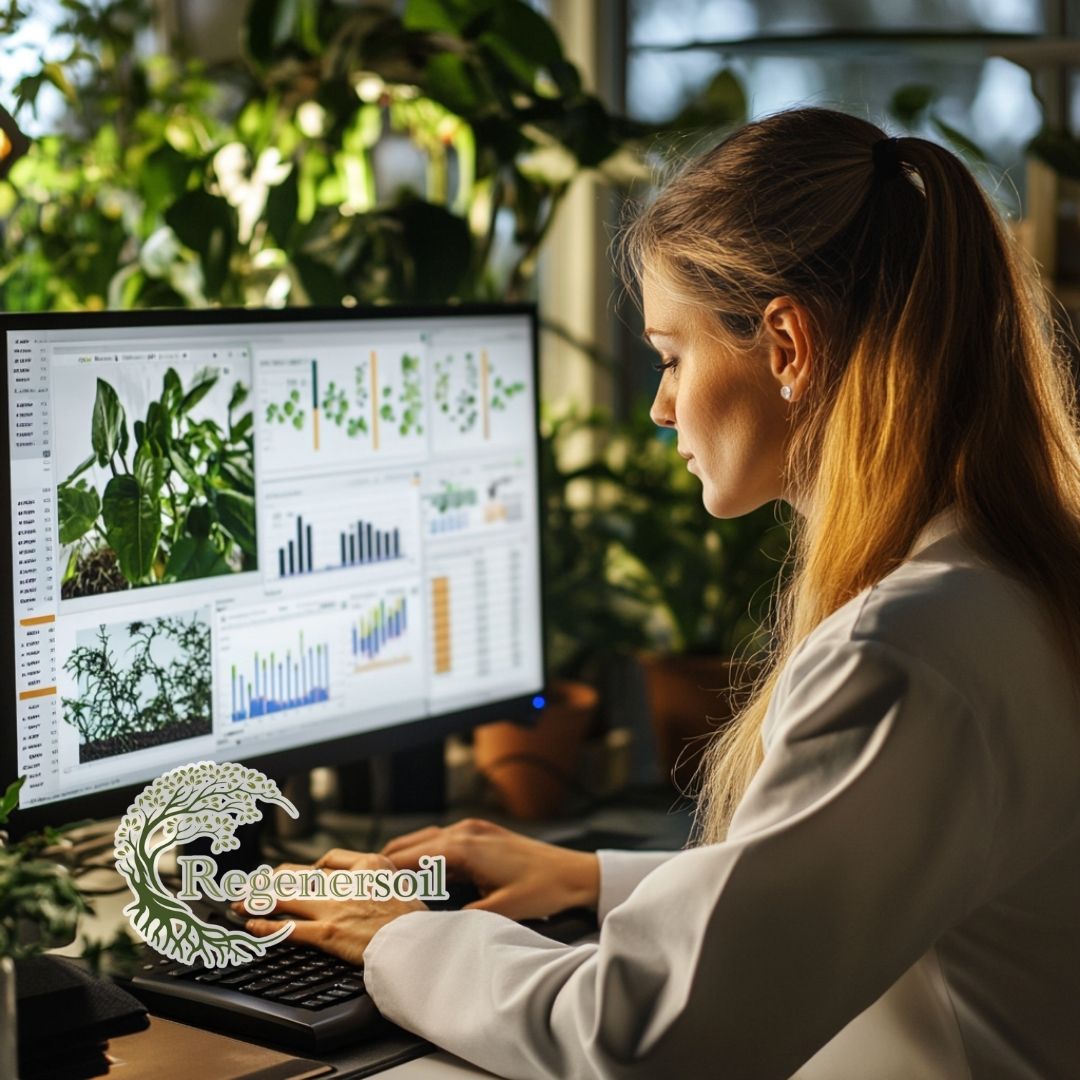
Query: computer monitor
[[288, 538]]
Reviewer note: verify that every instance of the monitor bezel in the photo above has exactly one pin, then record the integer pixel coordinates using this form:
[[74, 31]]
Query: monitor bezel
[[343, 750]]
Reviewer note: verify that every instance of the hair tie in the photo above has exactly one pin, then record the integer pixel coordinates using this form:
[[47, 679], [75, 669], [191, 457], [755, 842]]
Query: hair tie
[[887, 161]]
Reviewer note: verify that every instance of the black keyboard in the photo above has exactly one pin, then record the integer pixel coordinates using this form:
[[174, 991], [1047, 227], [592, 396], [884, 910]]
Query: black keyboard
[[296, 995]]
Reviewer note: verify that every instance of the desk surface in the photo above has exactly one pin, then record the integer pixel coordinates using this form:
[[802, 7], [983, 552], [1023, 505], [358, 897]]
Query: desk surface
[[438, 1066]]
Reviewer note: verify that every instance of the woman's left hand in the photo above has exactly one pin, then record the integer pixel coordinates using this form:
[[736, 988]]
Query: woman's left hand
[[341, 927]]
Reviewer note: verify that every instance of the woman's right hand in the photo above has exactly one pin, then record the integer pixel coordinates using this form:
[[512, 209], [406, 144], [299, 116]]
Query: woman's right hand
[[516, 876]]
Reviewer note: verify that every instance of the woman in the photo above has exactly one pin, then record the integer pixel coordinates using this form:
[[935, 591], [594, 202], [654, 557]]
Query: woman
[[888, 879]]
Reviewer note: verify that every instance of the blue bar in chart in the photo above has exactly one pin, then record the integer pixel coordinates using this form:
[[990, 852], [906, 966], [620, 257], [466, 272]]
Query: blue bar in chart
[[363, 544], [278, 683], [451, 521], [380, 625]]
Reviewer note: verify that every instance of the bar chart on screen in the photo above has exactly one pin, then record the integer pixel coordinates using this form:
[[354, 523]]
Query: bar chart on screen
[[342, 407], [274, 667], [385, 643], [355, 526]]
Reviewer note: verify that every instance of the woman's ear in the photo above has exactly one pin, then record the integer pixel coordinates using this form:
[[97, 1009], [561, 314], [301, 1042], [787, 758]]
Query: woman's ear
[[788, 334]]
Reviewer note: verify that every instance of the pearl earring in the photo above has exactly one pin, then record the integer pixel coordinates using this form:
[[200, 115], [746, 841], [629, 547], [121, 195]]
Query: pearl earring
[[785, 392]]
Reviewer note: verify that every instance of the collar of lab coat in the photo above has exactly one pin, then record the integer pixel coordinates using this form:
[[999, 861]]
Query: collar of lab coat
[[939, 526]]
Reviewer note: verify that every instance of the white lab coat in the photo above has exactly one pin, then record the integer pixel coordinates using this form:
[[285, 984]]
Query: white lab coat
[[898, 897]]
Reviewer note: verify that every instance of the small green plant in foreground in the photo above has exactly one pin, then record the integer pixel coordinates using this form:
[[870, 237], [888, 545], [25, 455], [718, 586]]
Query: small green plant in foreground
[[39, 901]]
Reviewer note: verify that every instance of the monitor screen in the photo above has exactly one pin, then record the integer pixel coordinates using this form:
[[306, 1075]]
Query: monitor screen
[[236, 535]]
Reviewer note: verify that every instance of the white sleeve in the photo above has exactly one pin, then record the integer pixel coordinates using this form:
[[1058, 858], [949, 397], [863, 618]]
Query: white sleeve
[[862, 839], [620, 874]]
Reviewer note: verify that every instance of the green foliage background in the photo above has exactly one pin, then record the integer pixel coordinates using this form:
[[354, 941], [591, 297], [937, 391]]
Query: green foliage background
[[255, 181]]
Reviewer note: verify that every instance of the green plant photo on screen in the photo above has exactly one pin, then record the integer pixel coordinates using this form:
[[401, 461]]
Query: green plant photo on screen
[[170, 499], [139, 684]]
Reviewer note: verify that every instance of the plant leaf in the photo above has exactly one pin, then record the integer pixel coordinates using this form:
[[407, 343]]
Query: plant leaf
[[201, 388], [1059, 149], [132, 525], [440, 246], [10, 798], [82, 468], [172, 390], [183, 467], [322, 284], [282, 204], [236, 513], [199, 522], [910, 101], [157, 427], [108, 417], [194, 558], [448, 15], [150, 470], [78, 507], [958, 139], [206, 224]]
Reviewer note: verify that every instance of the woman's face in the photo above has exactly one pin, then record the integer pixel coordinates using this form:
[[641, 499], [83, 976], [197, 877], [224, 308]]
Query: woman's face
[[725, 405]]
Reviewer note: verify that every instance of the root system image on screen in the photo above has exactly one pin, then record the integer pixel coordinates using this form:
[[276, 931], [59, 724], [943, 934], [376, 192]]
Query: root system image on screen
[[140, 684], [166, 498]]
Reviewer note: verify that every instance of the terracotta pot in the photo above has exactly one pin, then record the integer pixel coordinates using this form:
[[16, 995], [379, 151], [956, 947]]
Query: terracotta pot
[[531, 768], [688, 700]]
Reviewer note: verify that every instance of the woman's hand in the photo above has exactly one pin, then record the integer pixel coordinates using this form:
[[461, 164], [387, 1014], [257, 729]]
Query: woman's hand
[[517, 876], [341, 927]]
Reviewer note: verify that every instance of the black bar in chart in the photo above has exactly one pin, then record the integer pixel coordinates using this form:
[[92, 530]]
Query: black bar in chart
[[295, 556], [363, 544]]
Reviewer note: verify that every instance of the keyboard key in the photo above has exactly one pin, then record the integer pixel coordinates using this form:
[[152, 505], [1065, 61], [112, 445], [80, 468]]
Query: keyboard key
[[259, 985], [296, 997], [239, 978]]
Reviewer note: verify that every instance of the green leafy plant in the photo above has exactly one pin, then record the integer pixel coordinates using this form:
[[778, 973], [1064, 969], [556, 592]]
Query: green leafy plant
[[263, 180], [39, 900], [159, 692], [181, 505]]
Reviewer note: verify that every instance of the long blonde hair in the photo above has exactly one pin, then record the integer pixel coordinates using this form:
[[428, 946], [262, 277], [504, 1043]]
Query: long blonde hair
[[938, 374]]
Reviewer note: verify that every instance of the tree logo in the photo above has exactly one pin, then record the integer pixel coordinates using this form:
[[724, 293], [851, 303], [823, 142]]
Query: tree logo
[[204, 799]]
